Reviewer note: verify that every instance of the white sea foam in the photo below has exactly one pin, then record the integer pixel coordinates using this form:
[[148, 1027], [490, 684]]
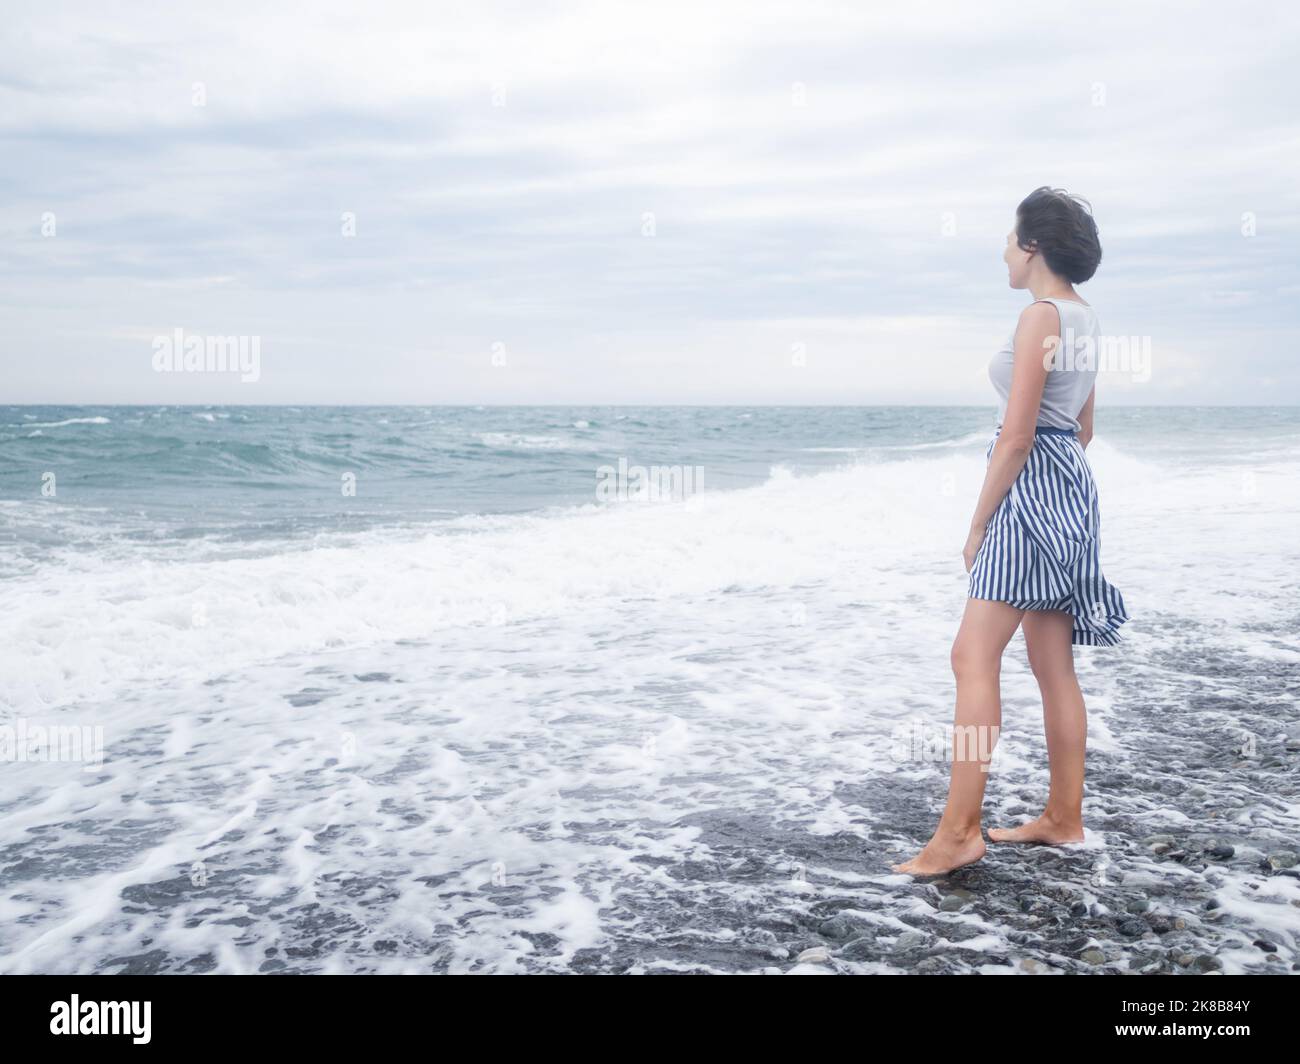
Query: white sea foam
[[69, 421], [104, 629], [520, 441]]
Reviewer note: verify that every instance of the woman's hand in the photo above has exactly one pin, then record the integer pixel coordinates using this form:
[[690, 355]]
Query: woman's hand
[[973, 543]]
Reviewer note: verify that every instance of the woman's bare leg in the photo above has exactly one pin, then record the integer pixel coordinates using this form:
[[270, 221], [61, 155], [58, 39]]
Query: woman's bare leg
[[986, 629], [1065, 722]]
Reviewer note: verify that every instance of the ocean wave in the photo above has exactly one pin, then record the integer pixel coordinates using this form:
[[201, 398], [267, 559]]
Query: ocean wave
[[94, 632], [518, 441], [68, 421], [969, 440], [90, 632]]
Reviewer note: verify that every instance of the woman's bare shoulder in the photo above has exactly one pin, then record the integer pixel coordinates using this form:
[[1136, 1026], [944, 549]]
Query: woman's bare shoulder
[[1038, 320]]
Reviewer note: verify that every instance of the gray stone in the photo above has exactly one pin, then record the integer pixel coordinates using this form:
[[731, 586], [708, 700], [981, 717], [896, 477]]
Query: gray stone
[[860, 949], [909, 940], [837, 928]]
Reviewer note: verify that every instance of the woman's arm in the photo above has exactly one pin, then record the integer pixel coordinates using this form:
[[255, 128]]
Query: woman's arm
[[1039, 324], [1085, 418]]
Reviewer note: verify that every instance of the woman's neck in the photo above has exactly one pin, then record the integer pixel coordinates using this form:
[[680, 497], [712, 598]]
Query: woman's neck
[[1049, 290]]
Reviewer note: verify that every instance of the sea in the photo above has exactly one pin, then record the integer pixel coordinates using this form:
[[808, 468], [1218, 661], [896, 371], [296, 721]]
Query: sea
[[619, 690]]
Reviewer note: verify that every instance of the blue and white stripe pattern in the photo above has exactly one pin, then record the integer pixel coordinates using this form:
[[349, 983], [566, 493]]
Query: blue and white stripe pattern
[[1041, 550]]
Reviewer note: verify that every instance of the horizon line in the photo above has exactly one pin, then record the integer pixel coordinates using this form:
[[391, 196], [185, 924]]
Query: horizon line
[[665, 406]]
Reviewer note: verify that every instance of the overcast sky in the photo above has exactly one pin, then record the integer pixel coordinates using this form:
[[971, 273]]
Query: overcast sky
[[704, 203]]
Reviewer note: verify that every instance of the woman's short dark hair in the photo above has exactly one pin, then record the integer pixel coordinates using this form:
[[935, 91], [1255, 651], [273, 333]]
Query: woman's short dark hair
[[1060, 226]]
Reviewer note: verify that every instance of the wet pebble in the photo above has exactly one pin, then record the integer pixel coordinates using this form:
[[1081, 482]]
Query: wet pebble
[[860, 949], [838, 927]]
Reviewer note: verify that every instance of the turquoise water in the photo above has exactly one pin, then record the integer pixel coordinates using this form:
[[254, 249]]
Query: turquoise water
[[261, 478], [258, 477]]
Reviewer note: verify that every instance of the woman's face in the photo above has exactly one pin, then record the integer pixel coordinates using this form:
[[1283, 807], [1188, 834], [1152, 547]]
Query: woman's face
[[1017, 261]]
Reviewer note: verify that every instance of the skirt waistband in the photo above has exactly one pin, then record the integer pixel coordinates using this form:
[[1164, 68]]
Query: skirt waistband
[[1045, 430]]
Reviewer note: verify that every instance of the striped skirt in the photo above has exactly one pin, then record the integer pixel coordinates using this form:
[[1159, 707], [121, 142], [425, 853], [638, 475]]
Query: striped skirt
[[1041, 550]]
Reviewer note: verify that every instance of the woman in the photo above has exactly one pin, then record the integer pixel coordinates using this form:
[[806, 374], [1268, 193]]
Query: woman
[[1032, 553]]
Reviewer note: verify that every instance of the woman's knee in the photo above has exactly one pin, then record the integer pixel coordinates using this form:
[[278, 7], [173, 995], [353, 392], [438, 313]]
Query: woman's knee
[[1051, 668], [969, 660]]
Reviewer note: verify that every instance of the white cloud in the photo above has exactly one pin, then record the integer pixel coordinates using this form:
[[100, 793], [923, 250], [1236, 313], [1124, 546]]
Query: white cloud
[[797, 159]]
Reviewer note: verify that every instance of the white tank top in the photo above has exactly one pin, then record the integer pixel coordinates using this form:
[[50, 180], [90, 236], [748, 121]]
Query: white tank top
[[1073, 373]]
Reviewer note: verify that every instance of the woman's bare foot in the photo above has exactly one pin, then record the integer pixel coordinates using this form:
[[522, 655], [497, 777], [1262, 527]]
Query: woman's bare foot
[[943, 853], [1045, 829]]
